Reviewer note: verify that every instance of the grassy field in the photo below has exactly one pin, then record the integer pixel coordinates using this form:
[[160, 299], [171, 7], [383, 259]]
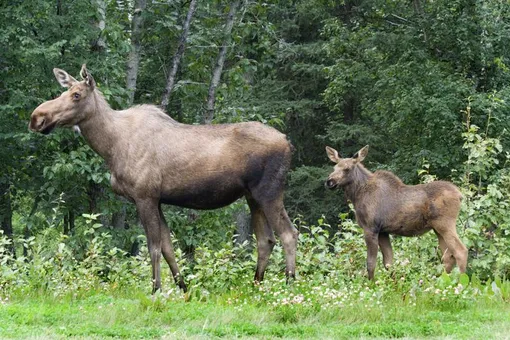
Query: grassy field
[[272, 310]]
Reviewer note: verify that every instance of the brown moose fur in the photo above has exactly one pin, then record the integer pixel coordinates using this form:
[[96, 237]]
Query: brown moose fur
[[153, 159], [385, 205]]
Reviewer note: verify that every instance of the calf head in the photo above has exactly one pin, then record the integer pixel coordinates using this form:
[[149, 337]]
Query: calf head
[[342, 173], [70, 108]]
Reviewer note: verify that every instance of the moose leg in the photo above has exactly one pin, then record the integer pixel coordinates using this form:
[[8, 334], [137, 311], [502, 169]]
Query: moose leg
[[452, 241], [265, 238], [168, 251], [149, 215], [280, 222], [385, 246], [289, 237], [446, 254], [371, 240]]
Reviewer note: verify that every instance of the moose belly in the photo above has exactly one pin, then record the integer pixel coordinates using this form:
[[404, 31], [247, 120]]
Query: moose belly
[[210, 196], [406, 227], [406, 224], [406, 230]]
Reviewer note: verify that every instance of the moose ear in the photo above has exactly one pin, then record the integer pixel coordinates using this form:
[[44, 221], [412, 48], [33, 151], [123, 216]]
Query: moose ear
[[64, 78], [89, 80], [332, 154], [361, 154]]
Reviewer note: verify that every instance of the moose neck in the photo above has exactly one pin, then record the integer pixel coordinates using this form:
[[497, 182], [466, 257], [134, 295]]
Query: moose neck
[[360, 176], [98, 128]]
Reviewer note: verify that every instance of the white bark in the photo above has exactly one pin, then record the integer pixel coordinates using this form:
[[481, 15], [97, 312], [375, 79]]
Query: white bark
[[178, 55], [134, 54], [220, 61], [100, 43]]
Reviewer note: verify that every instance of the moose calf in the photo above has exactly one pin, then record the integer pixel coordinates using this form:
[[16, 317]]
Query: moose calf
[[385, 205]]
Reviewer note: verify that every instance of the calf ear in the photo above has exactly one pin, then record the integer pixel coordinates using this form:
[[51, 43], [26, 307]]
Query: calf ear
[[64, 78], [89, 80], [332, 154], [361, 154]]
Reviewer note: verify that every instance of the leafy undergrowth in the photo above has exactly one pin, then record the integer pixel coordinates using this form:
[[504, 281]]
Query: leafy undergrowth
[[90, 289]]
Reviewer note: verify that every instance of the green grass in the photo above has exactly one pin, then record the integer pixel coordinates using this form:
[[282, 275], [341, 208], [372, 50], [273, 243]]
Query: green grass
[[131, 314]]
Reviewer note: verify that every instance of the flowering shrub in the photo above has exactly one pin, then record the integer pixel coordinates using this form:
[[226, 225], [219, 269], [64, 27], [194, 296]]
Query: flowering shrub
[[55, 265]]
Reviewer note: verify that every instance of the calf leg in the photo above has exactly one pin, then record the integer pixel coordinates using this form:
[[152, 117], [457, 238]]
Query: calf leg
[[448, 232], [460, 251], [265, 238], [446, 254], [168, 251], [371, 240], [150, 218], [387, 252]]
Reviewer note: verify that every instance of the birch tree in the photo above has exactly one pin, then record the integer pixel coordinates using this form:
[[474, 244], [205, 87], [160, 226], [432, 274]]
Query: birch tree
[[220, 61], [134, 54], [100, 43], [6, 214], [176, 60]]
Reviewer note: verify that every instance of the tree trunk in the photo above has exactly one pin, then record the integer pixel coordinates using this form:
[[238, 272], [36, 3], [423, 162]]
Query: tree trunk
[[26, 229], [135, 248], [95, 192], [119, 217], [220, 61], [134, 54], [59, 13], [92, 194], [6, 214], [418, 9], [178, 55], [69, 222], [26, 235], [100, 44], [66, 224], [244, 229]]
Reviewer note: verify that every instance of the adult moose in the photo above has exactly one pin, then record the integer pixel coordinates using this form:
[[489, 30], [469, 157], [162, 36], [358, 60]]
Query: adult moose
[[384, 205], [153, 160]]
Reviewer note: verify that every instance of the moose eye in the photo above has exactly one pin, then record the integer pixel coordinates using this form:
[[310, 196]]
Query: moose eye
[[76, 96]]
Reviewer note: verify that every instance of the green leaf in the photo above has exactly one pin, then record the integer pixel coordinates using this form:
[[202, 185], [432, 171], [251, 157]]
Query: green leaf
[[464, 279]]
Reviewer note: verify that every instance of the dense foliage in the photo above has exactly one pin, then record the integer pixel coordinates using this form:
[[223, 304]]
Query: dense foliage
[[426, 84]]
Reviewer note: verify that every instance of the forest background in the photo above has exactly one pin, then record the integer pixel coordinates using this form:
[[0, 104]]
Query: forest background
[[425, 83]]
